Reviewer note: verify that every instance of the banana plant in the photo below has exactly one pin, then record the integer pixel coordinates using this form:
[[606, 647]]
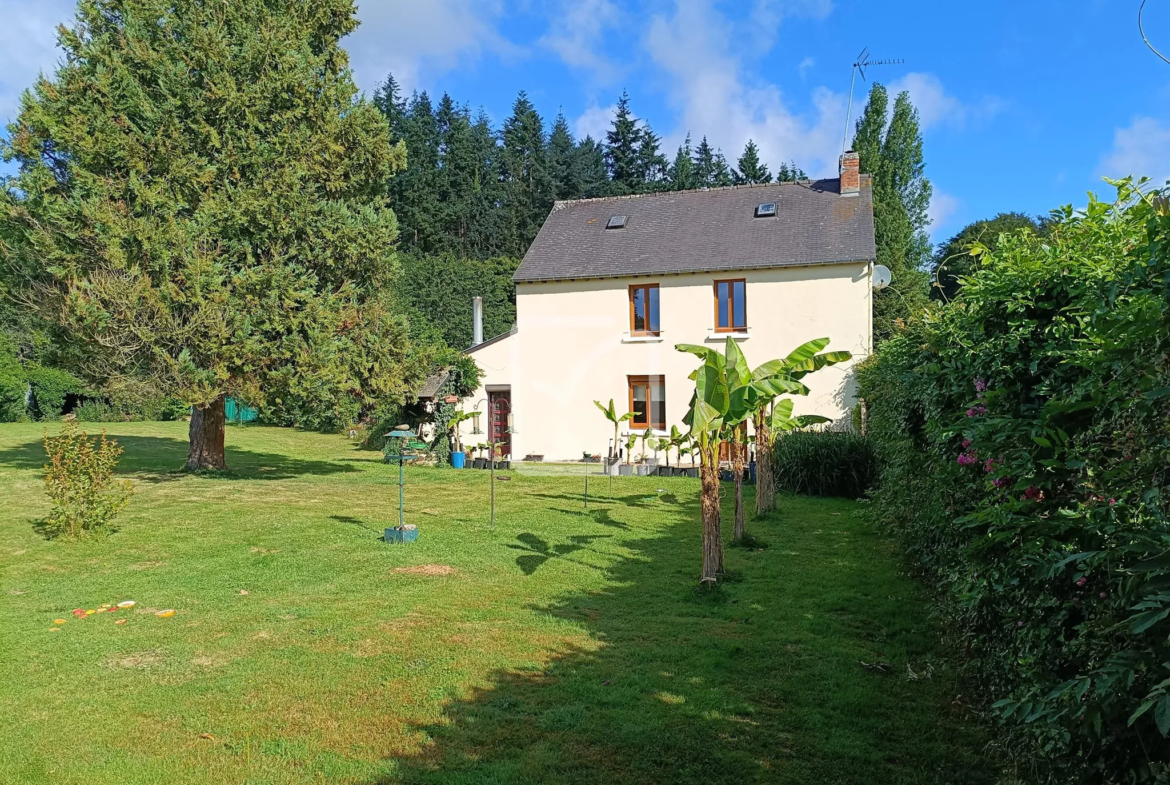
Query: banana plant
[[611, 414], [770, 381], [631, 440], [457, 419]]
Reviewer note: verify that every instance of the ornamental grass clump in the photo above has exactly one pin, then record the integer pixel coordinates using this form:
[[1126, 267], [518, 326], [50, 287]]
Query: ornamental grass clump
[[79, 479]]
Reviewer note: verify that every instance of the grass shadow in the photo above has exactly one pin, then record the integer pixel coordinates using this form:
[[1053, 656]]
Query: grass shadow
[[159, 459], [762, 679]]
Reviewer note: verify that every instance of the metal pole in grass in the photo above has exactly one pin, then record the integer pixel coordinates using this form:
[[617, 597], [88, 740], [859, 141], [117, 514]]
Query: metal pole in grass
[[492, 449], [587, 480], [609, 468]]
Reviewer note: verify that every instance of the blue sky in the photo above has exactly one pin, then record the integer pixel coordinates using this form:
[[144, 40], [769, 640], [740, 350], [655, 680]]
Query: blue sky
[[1025, 105]]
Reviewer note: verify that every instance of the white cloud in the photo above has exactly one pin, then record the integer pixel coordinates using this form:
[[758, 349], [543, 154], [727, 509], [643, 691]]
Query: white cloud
[[415, 39], [762, 26], [28, 46], [943, 207], [805, 65], [710, 87], [938, 107], [575, 34], [594, 121], [1141, 149]]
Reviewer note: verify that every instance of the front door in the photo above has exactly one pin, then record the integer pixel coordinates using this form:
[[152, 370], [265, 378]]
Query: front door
[[500, 406]]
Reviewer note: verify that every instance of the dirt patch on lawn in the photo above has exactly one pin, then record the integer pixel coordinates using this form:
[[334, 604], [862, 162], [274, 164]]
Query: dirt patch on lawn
[[145, 565], [140, 660], [425, 569]]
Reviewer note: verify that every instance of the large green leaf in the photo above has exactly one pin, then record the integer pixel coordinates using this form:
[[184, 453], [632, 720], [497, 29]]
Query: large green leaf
[[817, 362], [707, 420], [806, 350], [739, 373], [711, 386]]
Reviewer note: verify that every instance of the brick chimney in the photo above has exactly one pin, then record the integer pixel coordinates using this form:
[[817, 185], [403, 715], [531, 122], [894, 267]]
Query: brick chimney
[[850, 174]]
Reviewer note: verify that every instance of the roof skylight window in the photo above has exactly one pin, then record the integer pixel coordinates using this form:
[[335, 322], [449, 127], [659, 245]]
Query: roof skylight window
[[766, 210], [616, 222]]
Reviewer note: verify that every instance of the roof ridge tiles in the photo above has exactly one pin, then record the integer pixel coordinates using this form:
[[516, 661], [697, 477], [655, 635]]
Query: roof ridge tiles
[[562, 203]]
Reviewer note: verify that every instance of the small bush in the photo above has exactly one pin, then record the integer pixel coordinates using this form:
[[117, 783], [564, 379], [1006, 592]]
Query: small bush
[[824, 463], [150, 408], [51, 389], [79, 479]]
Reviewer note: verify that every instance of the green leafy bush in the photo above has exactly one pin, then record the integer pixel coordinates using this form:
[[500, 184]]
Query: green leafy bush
[[824, 463], [51, 389], [79, 479], [142, 408], [13, 383], [1024, 437]]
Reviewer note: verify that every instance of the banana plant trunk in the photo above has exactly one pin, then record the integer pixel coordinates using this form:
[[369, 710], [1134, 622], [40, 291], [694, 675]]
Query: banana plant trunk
[[206, 435], [712, 541], [738, 448], [765, 478]]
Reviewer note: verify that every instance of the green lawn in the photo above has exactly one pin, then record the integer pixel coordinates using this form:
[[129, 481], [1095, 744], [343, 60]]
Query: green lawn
[[566, 646]]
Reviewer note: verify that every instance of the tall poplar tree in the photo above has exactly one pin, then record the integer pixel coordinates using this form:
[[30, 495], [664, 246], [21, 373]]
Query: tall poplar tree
[[901, 198], [200, 206]]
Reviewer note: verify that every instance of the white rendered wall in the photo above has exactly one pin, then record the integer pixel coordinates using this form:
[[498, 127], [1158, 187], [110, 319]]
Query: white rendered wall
[[573, 346]]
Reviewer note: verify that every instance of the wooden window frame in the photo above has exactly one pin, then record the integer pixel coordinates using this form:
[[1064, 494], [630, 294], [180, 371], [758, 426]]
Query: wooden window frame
[[631, 381], [731, 313], [646, 287]]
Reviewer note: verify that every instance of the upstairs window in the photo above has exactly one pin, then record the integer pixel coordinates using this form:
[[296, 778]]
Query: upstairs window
[[731, 306], [648, 402], [644, 309]]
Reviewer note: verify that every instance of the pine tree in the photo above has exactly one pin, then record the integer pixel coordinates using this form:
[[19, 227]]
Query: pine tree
[[901, 198], [200, 208], [720, 171], [751, 170], [561, 159], [623, 150], [486, 236], [704, 164], [682, 171], [589, 169], [652, 163], [528, 186], [414, 192]]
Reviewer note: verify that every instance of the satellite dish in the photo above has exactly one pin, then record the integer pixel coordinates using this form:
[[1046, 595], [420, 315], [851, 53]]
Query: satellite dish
[[881, 276]]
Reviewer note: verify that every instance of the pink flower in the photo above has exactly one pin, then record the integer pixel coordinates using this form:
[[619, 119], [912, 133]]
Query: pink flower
[[966, 459], [966, 443], [1102, 595], [980, 385], [1000, 482], [1112, 502], [976, 411], [1083, 580], [1034, 494], [1019, 624]]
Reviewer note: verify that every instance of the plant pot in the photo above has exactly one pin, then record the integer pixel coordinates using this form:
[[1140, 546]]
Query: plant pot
[[727, 476], [625, 470], [752, 473], [503, 465], [643, 470], [691, 473], [458, 460], [478, 463]]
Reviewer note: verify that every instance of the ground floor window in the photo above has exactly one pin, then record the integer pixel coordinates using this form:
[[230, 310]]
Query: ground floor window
[[648, 402]]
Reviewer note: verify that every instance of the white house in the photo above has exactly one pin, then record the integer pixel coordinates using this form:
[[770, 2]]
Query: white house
[[611, 285]]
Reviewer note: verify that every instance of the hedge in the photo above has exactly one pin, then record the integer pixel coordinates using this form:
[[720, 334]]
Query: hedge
[[1024, 438]]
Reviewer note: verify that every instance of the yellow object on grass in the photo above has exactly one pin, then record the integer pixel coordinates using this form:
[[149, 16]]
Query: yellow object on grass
[[168, 613]]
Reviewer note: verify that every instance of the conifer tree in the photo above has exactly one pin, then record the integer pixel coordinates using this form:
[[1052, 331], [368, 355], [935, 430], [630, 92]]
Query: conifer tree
[[751, 170], [623, 149], [589, 169], [682, 171], [720, 171], [652, 163], [561, 159], [528, 186], [901, 198], [200, 207], [704, 164]]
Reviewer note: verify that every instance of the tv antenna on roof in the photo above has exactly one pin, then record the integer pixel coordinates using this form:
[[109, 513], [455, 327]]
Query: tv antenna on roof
[[862, 63]]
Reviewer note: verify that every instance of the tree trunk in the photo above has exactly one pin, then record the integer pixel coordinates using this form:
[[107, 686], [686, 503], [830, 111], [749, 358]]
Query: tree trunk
[[208, 423], [737, 453], [712, 541], [765, 481]]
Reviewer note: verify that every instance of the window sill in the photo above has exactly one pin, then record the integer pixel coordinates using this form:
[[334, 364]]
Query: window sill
[[740, 335], [627, 338]]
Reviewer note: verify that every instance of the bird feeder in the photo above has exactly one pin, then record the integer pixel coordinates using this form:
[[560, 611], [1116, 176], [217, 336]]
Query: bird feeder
[[407, 448]]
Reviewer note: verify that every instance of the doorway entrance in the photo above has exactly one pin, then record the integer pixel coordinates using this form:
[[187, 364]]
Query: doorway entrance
[[499, 407]]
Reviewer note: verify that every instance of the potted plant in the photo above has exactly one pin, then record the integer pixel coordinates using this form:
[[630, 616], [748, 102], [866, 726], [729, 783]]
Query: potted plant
[[478, 462], [458, 456], [611, 414], [627, 468]]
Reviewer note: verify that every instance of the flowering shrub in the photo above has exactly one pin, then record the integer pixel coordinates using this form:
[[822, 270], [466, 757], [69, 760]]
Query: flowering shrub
[[79, 481], [1024, 438]]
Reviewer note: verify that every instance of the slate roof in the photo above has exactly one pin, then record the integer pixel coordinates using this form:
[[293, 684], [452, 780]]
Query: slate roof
[[703, 231], [433, 384]]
